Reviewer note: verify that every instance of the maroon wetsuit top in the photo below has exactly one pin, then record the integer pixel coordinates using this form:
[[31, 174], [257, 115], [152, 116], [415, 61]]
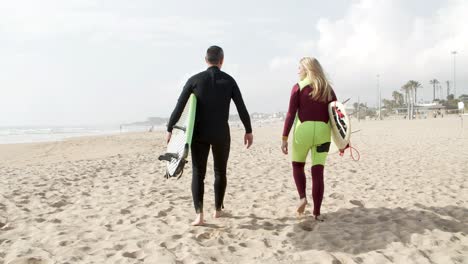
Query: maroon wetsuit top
[[306, 108]]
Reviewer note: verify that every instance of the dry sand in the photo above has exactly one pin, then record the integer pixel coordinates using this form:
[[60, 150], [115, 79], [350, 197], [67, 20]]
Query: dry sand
[[104, 200]]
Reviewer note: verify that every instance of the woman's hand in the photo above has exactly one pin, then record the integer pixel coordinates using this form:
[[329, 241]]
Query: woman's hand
[[284, 147]]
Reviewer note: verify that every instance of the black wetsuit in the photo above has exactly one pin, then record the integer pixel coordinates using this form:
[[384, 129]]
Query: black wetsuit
[[214, 90]]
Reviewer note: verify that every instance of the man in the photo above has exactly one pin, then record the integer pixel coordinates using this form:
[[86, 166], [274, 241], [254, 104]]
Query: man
[[214, 90]]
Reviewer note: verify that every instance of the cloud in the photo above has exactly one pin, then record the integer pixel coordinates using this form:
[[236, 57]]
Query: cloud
[[282, 62], [386, 38], [28, 20]]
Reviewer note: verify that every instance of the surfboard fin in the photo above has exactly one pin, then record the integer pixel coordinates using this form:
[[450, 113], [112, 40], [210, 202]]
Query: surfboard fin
[[168, 156], [180, 128], [178, 172]]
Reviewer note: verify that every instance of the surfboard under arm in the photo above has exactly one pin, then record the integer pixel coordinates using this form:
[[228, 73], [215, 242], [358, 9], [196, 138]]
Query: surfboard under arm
[[191, 116]]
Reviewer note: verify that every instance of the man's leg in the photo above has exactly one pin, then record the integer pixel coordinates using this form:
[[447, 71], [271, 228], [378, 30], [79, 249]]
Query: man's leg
[[200, 153], [220, 159]]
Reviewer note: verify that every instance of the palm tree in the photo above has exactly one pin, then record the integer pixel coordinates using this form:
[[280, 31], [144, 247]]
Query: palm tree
[[448, 88], [398, 98], [434, 82], [406, 89], [415, 85]]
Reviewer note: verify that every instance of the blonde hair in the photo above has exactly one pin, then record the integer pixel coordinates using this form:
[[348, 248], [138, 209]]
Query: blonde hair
[[322, 90]]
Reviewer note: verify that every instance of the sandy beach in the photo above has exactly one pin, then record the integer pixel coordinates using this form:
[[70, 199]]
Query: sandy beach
[[104, 200]]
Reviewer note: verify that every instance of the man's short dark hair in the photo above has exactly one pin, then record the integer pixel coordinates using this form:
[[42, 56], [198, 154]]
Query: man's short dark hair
[[214, 55]]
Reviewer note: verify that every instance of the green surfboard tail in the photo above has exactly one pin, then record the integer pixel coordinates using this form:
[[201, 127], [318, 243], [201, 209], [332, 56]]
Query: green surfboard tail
[[191, 118]]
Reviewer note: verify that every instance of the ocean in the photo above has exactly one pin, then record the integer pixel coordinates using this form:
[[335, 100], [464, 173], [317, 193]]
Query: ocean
[[14, 135]]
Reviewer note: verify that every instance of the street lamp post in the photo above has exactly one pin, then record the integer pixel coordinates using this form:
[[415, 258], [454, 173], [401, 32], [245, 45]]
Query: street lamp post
[[454, 75]]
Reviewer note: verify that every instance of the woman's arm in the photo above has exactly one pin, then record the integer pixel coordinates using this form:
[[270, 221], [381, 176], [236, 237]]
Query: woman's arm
[[292, 110]]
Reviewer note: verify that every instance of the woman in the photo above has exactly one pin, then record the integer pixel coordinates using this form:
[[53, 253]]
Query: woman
[[308, 109]]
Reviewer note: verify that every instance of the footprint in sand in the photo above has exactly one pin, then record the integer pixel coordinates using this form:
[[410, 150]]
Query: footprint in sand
[[307, 226], [3, 223], [162, 214], [267, 243], [232, 249], [85, 249], [125, 211], [337, 196], [59, 204], [31, 260], [358, 260], [134, 255], [202, 236], [63, 243], [25, 201], [56, 221], [357, 203], [143, 243], [118, 247], [176, 237]]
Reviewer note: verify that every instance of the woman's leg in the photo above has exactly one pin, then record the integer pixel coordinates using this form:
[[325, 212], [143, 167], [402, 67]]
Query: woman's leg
[[299, 178], [317, 188], [300, 149], [319, 156]]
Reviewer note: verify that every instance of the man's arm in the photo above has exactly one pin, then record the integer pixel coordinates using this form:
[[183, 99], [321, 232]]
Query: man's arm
[[241, 109], [181, 102]]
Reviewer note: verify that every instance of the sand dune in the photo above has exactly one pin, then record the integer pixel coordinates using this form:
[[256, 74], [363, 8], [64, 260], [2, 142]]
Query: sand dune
[[104, 200]]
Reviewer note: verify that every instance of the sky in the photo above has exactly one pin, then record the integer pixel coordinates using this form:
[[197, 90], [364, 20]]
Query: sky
[[96, 62]]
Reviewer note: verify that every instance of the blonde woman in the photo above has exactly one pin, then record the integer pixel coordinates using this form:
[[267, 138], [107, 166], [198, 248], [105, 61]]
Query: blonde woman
[[308, 111]]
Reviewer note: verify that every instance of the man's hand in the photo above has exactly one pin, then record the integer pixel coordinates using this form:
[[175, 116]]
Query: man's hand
[[284, 147], [248, 140], [168, 137]]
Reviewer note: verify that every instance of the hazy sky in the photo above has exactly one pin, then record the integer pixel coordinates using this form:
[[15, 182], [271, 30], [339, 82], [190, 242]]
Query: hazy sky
[[79, 62]]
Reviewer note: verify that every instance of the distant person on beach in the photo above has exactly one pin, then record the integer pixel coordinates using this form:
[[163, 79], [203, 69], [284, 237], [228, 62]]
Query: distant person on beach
[[308, 109], [214, 90]]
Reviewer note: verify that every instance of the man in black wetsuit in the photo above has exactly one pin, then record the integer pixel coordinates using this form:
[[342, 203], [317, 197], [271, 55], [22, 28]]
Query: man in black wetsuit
[[214, 90]]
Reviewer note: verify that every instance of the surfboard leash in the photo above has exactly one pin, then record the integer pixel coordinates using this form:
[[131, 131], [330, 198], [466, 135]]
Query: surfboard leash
[[351, 152]]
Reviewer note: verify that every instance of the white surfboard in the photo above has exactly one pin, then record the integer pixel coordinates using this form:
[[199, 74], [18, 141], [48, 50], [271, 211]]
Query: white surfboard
[[340, 124], [179, 145]]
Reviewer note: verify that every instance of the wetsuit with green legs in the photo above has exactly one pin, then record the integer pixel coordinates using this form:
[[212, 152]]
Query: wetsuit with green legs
[[311, 133]]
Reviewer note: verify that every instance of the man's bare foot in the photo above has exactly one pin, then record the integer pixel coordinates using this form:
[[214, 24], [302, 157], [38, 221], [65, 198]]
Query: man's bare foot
[[198, 220], [301, 207], [319, 218], [217, 214]]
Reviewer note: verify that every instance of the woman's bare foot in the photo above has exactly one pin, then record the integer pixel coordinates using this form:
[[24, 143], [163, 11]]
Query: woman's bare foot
[[301, 207], [198, 220], [217, 214], [319, 218]]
